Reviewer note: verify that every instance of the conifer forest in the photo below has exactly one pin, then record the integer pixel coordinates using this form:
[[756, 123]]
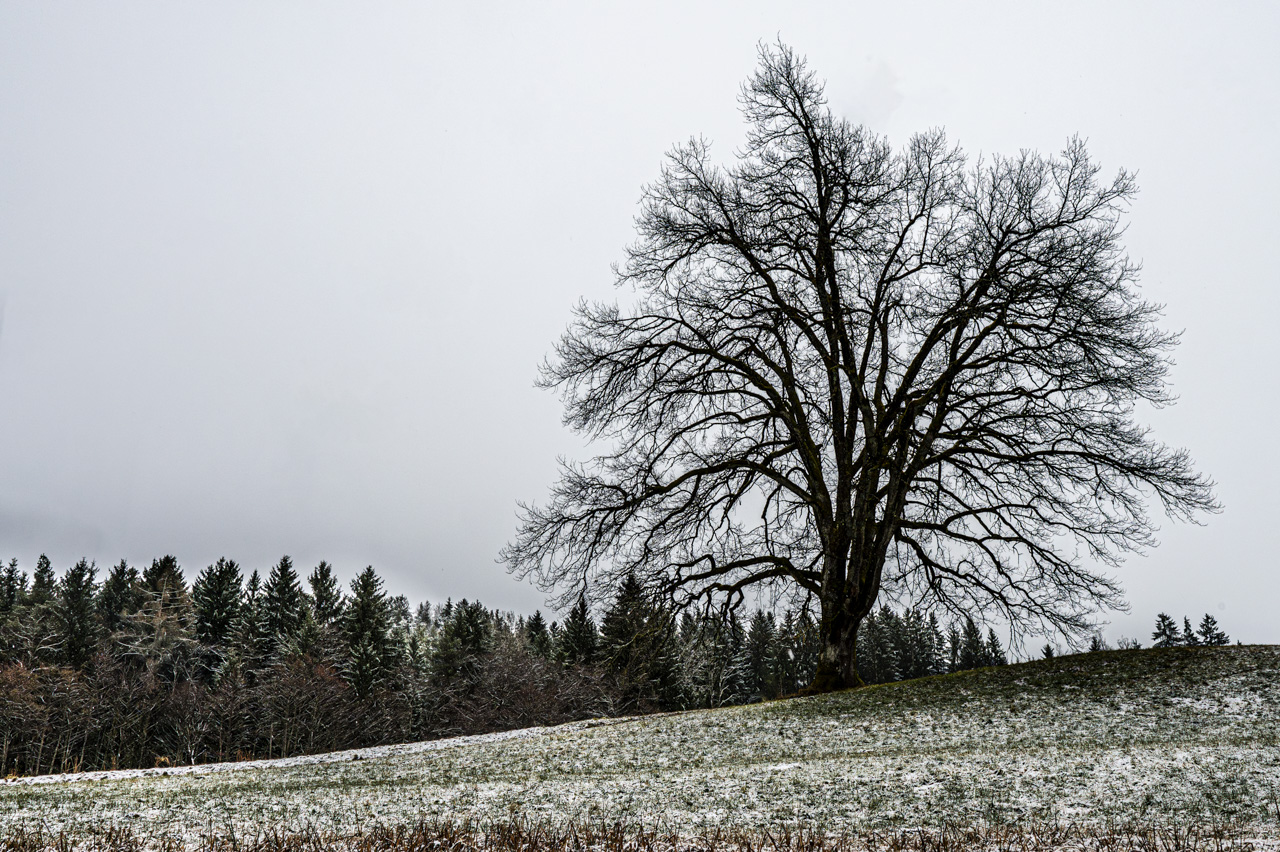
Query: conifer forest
[[139, 668]]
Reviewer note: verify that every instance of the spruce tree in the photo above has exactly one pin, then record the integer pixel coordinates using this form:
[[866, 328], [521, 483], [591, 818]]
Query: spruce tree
[[973, 651], [44, 583], [939, 646], [995, 651], [761, 639], [215, 596], [537, 636], [13, 587], [462, 641], [121, 595], [1189, 636], [164, 579], [283, 601], [637, 645], [1048, 651], [78, 627], [1166, 633], [1209, 632], [165, 592], [578, 636], [875, 655], [326, 596], [367, 629], [253, 640]]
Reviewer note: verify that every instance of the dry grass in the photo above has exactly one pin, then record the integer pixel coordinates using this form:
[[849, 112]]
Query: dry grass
[[523, 836]]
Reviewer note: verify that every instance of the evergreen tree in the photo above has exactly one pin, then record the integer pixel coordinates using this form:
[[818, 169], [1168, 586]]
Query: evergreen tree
[[215, 596], [13, 587], [760, 643], [326, 596], [44, 583], [165, 589], [463, 640], [367, 628], [1209, 632], [578, 636], [121, 595], [1048, 651], [954, 642], [1097, 643], [1189, 636], [939, 645], [995, 651], [164, 578], [1166, 633], [973, 651], [537, 635], [872, 649], [77, 626], [283, 601], [637, 644], [253, 640]]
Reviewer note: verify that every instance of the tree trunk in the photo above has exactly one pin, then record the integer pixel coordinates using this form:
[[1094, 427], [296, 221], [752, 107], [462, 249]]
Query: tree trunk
[[849, 590], [838, 658]]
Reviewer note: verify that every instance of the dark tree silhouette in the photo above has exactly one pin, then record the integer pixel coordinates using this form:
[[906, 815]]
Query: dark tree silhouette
[[851, 371], [215, 597], [1166, 633], [77, 625], [578, 637], [326, 596], [1210, 633]]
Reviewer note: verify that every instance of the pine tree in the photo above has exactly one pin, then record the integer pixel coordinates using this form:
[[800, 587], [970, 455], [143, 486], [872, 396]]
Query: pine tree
[[76, 622], [1097, 643], [164, 579], [1209, 632], [253, 640], [954, 642], [1166, 633], [283, 601], [121, 595], [326, 596], [995, 651], [13, 587], [1048, 651], [1189, 636], [637, 645], [164, 591], [876, 660], [939, 646], [761, 639], [578, 636], [537, 635], [215, 596], [464, 638], [973, 651], [44, 583], [367, 628]]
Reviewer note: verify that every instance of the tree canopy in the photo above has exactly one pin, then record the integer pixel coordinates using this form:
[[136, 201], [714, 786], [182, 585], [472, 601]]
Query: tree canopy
[[853, 370]]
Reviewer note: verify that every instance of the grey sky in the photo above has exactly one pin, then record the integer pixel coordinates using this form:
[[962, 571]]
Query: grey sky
[[276, 278]]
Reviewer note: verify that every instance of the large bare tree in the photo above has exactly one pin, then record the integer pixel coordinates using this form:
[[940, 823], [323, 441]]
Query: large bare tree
[[851, 370]]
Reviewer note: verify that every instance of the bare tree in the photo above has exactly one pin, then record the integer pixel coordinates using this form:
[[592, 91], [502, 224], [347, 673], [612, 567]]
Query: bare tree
[[853, 371]]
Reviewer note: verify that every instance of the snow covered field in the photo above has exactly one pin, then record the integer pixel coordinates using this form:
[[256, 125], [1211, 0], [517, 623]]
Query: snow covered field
[[1163, 736]]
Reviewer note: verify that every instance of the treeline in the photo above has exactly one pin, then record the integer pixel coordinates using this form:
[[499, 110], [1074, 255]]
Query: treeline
[[138, 668]]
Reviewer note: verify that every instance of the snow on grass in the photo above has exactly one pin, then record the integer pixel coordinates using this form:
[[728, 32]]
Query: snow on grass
[[1165, 736]]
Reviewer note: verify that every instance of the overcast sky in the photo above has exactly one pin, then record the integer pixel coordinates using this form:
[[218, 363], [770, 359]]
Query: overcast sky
[[276, 278]]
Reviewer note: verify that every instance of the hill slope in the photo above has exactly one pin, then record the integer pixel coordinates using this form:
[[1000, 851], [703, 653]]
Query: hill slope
[[1159, 736]]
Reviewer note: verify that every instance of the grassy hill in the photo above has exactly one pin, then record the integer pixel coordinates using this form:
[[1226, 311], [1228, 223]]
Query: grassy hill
[[1160, 736]]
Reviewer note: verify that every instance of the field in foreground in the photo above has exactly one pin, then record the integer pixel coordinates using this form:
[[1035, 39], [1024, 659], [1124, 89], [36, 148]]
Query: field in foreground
[[1172, 737]]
